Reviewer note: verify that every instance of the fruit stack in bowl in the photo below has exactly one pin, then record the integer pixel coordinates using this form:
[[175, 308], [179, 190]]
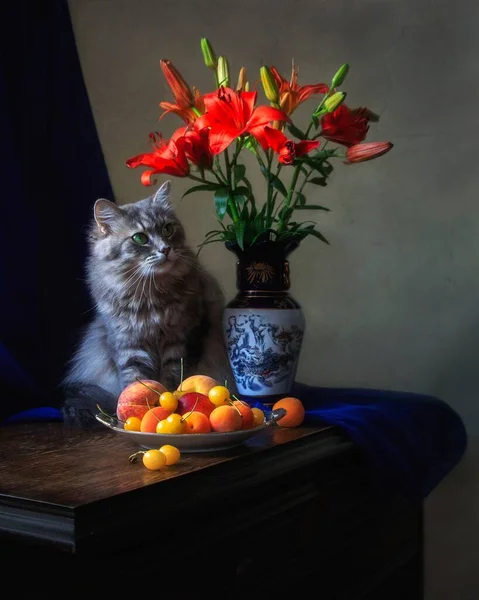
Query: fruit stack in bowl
[[199, 405]]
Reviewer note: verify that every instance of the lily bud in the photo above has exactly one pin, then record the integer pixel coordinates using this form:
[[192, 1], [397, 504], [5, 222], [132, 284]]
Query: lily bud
[[270, 86], [223, 72], [181, 90], [367, 151], [240, 86], [340, 75], [246, 86], [209, 55], [332, 103]]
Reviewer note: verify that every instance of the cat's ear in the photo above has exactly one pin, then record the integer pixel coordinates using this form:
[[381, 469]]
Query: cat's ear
[[162, 196], [106, 214]]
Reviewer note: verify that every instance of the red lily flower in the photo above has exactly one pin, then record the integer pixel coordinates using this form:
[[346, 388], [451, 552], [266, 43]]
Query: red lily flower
[[291, 95], [345, 126], [362, 152], [167, 157], [185, 100], [230, 114], [286, 149], [196, 145]]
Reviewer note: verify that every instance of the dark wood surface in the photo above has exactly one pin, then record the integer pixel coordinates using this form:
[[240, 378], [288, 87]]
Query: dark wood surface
[[288, 509]]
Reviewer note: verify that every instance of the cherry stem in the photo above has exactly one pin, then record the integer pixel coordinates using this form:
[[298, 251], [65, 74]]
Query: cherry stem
[[234, 406], [242, 401], [186, 415], [148, 388], [181, 374], [114, 417], [133, 457]]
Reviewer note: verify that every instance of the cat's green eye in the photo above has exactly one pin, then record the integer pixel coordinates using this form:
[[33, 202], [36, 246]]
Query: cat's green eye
[[168, 229], [140, 238]]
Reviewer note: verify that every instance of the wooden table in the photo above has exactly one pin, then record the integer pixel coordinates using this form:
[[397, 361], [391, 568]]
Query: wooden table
[[289, 509]]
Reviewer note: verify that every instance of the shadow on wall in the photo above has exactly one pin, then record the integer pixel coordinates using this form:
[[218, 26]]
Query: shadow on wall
[[457, 375]]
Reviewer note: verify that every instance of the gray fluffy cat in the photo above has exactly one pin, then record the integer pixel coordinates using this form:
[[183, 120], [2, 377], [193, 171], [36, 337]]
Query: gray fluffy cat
[[154, 305]]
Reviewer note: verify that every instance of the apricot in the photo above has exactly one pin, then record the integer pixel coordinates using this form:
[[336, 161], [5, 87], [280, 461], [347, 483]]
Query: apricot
[[226, 418], [198, 383], [152, 417], [294, 411], [197, 422], [138, 397], [247, 415]]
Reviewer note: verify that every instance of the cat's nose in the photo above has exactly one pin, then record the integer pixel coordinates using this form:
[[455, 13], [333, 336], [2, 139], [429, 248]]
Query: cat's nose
[[165, 250]]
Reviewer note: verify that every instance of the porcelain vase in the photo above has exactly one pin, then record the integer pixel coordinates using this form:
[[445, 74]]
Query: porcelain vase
[[263, 324]]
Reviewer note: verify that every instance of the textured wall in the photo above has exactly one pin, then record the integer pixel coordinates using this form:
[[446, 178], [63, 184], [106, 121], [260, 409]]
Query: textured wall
[[393, 301]]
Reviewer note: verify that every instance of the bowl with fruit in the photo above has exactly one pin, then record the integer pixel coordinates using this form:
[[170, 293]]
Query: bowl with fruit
[[200, 416]]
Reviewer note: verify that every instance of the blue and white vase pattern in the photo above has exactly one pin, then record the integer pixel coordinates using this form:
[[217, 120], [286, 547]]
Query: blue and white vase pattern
[[264, 347]]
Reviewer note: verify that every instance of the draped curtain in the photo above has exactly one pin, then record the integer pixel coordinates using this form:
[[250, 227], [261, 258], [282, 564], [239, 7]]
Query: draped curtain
[[52, 171]]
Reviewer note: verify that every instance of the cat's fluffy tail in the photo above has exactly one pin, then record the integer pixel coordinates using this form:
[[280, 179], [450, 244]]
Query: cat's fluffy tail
[[81, 404]]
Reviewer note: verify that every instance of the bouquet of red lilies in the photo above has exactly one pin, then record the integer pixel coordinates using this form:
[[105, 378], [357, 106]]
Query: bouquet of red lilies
[[223, 124]]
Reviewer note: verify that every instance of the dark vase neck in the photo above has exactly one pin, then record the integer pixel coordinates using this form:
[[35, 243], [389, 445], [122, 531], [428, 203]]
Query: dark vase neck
[[263, 267]]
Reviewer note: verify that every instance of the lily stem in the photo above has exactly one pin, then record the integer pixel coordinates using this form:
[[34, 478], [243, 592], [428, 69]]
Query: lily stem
[[231, 201]]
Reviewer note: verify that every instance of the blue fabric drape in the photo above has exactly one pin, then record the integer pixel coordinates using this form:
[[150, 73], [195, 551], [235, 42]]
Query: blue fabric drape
[[52, 171], [411, 441]]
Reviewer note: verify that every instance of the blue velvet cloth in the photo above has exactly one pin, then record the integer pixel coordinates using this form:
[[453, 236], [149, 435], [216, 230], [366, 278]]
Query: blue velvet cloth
[[52, 170], [412, 441]]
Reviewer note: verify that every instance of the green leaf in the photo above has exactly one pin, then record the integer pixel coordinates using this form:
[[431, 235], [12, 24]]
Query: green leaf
[[253, 211], [204, 187], [301, 198], [312, 207], [318, 235], [239, 173], [285, 214], [297, 132], [249, 186], [242, 191], [260, 233], [221, 202], [213, 232], [328, 167], [275, 181], [318, 181], [240, 227], [244, 212], [304, 171]]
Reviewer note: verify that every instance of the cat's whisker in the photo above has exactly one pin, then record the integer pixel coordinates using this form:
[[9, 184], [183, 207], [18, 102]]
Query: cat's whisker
[[154, 283], [133, 268], [187, 260], [135, 278], [131, 280]]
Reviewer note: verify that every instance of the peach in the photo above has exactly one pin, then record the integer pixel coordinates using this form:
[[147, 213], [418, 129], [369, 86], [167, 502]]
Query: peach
[[152, 417], [226, 418], [138, 397], [247, 414], [194, 401], [197, 422], [198, 383]]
